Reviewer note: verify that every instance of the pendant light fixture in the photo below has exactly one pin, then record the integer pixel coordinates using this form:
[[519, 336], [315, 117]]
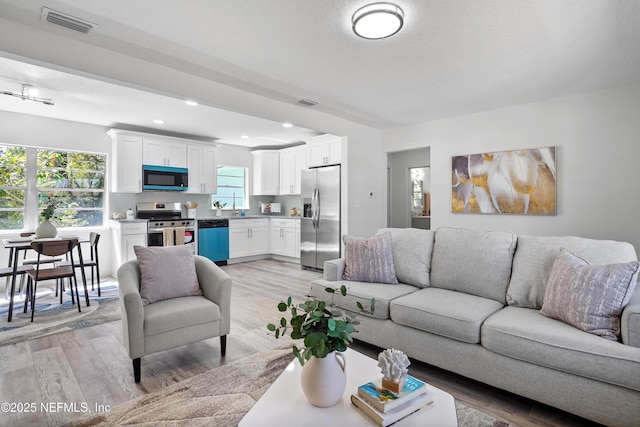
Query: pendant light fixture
[[377, 20]]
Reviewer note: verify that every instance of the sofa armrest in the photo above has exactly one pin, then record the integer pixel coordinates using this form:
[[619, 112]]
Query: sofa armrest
[[131, 309], [216, 286], [333, 269], [630, 324]]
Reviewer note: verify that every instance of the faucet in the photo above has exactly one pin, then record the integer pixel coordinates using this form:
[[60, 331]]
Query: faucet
[[235, 212]]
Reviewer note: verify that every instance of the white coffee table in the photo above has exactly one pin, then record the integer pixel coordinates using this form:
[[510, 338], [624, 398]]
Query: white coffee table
[[284, 402]]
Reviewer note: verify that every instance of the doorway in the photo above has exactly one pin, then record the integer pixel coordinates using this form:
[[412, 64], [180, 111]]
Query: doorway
[[402, 211]]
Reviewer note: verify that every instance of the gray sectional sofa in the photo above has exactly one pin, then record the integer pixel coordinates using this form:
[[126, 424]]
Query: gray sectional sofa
[[470, 302]]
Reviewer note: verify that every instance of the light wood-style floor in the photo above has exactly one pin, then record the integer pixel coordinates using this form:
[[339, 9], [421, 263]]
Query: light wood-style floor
[[90, 367]]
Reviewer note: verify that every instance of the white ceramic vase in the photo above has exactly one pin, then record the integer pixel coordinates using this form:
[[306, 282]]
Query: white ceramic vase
[[46, 230], [324, 380], [218, 212]]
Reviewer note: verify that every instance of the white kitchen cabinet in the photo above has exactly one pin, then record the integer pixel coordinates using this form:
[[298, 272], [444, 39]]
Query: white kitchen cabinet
[[266, 172], [248, 237], [285, 237], [126, 235], [160, 152], [324, 150], [292, 162], [201, 160], [126, 163]]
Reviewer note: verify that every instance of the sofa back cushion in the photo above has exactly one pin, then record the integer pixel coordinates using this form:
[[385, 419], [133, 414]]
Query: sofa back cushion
[[473, 261], [412, 250], [533, 261]]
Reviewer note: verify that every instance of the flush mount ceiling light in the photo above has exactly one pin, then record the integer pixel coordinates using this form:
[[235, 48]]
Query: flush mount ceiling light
[[29, 94], [377, 20]]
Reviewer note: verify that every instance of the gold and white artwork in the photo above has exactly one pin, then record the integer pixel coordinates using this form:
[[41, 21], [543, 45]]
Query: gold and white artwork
[[505, 182]]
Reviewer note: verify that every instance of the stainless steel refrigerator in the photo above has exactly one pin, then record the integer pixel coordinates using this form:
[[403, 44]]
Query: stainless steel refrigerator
[[320, 222]]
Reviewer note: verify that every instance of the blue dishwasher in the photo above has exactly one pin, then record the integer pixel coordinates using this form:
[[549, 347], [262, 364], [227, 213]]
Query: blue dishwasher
[[213, 239]]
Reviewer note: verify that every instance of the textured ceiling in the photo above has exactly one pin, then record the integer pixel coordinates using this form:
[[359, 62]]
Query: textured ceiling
[[451, 58]]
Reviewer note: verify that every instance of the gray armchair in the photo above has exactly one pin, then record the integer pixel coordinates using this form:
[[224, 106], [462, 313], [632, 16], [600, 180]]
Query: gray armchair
[[172, 323]]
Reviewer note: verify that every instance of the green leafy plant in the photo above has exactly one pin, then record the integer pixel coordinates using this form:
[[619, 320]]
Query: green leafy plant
[[49, 210], [323, 327], [218, 205]]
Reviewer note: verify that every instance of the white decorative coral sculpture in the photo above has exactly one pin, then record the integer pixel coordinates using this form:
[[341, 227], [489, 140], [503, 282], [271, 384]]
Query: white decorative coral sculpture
[[393, 364]]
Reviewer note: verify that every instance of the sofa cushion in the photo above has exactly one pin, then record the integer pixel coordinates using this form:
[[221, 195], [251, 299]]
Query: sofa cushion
[[589, 297], [361, 292], [168, 315], [167, 272], [534, 258], [527, 335], [412, 250], [448, 313], [473, 261], [369, 260]]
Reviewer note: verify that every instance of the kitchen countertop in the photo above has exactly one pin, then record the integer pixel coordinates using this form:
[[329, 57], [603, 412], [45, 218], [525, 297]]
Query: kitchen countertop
[[251, 216]]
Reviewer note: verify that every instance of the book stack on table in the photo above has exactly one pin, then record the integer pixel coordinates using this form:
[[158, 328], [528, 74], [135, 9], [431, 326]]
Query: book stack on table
[[386, 407]]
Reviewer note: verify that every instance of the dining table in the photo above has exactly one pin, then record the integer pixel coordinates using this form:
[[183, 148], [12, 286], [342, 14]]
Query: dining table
[[19, 244]]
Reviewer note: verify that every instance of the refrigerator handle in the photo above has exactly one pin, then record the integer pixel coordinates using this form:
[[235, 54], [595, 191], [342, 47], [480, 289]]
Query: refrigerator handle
[[314, 208]]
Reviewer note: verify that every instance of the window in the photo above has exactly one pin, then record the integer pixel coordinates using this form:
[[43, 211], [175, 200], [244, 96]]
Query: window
[[76, 180], [30, 176], [232, 180], [13, 186]]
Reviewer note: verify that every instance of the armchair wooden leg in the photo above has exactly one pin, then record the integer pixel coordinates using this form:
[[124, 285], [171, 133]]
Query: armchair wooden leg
[[223, 345], [136, 369]]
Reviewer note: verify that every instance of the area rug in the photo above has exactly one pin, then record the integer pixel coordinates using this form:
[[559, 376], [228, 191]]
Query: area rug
[[51, 317], [222, 396]]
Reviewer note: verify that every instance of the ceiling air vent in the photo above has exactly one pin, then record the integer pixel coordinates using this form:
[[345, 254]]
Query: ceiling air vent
[[307, 102], [67, 21]]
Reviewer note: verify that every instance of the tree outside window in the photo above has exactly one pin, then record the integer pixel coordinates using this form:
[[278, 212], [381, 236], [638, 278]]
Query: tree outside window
[[13, 185], [30, 176]]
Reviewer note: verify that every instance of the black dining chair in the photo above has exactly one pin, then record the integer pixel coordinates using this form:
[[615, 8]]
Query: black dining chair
[[92, 262], [54, 248]]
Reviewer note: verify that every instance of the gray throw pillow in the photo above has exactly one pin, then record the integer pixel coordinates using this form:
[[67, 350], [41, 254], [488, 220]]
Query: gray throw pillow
[[167, 272], [369, 260], [589, 297], [411, 250]]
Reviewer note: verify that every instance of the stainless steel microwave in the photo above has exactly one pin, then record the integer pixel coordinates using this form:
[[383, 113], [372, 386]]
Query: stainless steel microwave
[[164, 178]]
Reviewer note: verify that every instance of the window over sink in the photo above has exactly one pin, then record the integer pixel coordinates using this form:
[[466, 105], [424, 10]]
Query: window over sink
[[232, 180]]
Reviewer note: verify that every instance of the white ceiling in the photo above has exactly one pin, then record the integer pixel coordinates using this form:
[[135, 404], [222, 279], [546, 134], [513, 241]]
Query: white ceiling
[[451, 58]]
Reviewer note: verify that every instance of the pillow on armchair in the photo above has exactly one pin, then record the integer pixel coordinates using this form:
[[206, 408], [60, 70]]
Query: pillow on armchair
[[589, 297], [369, 260], [167, 272]]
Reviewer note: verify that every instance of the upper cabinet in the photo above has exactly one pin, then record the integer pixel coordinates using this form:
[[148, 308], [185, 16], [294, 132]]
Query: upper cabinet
[[126, 162], [324, 150], [292, 162], [133, 149], [266, 172], [202, 169], [160, 152]]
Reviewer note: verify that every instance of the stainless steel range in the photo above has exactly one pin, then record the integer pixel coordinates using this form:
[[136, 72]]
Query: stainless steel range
[[166, 224]]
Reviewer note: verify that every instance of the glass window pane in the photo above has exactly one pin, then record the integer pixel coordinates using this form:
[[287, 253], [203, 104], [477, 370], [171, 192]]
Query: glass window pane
[[11, 220], [231, 180], [11, 199]]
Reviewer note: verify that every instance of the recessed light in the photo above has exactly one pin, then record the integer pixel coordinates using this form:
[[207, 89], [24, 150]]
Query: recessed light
[[287, 125], [191, 103], [158, 121], [245, 137]]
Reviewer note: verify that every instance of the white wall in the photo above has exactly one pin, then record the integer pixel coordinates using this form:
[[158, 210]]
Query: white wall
[[597, 136]]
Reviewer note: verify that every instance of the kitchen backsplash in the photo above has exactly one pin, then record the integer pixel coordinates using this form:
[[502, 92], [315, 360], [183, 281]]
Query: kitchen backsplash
[[120, 202]]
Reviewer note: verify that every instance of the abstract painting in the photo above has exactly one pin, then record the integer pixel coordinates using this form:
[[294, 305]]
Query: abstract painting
[[505, 182]]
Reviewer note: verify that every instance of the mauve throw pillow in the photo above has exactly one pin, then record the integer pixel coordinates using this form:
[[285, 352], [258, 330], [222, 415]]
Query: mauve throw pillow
[[369, 260], [589, 297], [167, 272]]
